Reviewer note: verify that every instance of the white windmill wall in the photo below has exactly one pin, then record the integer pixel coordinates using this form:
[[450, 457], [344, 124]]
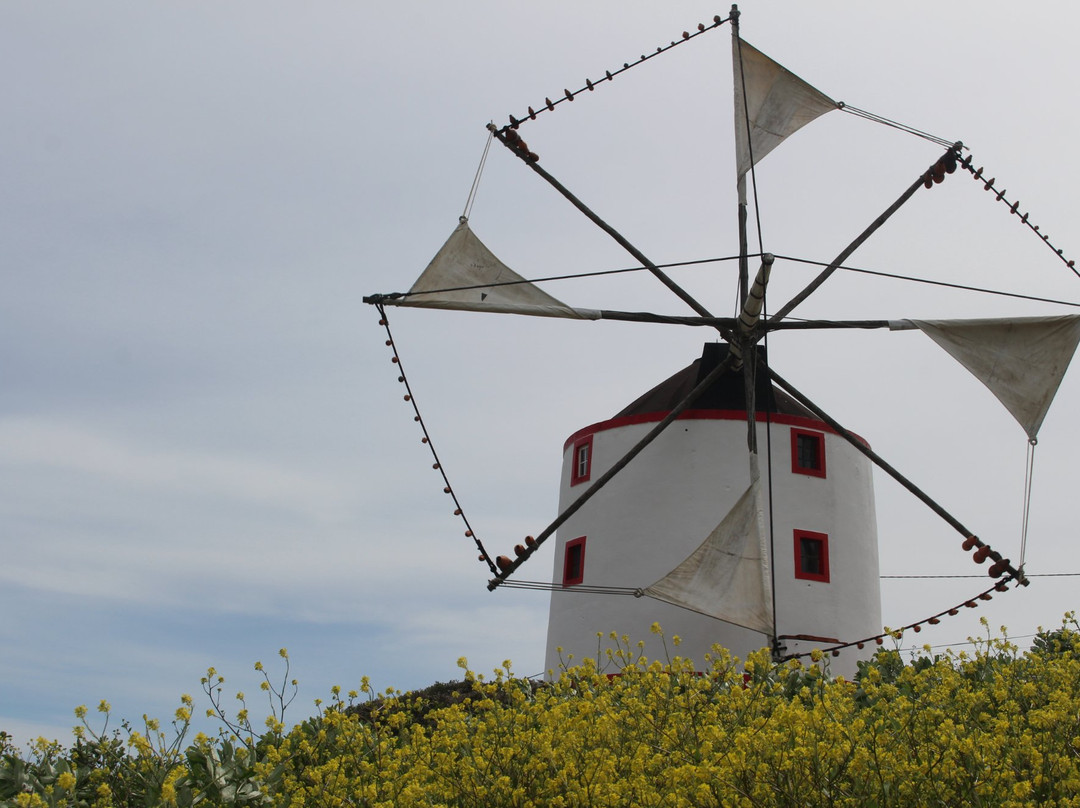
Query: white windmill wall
[[656, 511]]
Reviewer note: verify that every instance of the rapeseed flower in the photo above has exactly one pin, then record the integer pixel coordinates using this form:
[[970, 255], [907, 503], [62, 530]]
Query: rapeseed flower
[[993, 727]]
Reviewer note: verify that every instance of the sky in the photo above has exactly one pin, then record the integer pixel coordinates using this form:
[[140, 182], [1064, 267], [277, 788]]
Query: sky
[[204, 452]]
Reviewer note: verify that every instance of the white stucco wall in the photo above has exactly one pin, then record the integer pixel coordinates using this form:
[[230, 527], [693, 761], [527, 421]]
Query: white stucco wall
[[663, 505]]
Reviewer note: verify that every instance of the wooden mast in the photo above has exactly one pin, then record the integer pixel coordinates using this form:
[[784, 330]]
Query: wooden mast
[[744, 270], [745, 334]]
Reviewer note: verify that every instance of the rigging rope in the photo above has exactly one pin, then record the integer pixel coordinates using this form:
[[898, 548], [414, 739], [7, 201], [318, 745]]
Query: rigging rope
[[609, 75], [596, 589], [834, 650], [879, 639], [696, 262], [1014, 208], [929, 282], [574, 276], [1029, 470], [426, 439], [589, 589], [870, 116], [476, 180], [1026, 575]]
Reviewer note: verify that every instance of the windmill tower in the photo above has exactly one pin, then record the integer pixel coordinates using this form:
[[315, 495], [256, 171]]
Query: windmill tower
[[810, 580]]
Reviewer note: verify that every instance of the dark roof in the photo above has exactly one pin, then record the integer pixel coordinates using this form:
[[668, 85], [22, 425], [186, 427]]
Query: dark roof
[[726, 393]]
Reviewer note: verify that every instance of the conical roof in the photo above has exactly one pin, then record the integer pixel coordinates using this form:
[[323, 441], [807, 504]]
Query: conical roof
[[726, 393]]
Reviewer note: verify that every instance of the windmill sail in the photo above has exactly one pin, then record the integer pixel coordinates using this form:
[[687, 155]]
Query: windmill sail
[[466, 275], [1021, 360], [777, 102], [727, 576]]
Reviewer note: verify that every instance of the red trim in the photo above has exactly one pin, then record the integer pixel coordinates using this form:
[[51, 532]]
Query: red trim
[[704, 415], [823, 576], [579, 576], [581, 468], [819, 438]]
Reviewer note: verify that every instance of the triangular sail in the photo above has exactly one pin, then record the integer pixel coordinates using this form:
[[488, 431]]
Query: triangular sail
[[727, 576], [1021, 360], [466, 275], [777, 102]]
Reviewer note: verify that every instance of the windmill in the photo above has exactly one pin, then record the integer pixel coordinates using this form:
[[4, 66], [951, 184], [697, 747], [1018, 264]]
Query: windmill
[[724, 568]]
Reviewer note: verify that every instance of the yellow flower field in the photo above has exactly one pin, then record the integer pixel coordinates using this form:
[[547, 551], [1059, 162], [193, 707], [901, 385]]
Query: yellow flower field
[[994, 727]]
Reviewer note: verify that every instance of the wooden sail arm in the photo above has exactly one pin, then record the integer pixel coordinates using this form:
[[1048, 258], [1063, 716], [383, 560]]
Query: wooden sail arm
[[1001, 566], [731, 323], [726, 325], [513, 142], [926, 180], [507, 567]]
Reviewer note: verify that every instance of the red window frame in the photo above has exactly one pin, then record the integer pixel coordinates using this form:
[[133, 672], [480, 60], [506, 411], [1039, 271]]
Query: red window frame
[[819, 439], [580, 472], [823, 540], [574, 556]]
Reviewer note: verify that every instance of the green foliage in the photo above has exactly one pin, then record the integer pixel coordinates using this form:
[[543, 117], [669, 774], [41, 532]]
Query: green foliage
[[1064, 640], [994, 727], [220, 775]]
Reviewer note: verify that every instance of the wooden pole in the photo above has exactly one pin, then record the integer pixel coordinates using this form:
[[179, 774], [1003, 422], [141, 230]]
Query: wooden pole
[[725, 325], [744, 264], [593, 489], [887, 468], [869, 231], [728, 323], [611, 231]]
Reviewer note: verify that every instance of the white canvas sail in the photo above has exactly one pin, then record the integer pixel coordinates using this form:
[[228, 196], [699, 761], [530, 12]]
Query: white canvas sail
[[466, 275], [1021, 360], [777, 102], [727, 576]]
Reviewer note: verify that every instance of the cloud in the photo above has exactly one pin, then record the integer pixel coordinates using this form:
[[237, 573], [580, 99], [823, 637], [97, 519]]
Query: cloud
[[204, 455], [65, 448]]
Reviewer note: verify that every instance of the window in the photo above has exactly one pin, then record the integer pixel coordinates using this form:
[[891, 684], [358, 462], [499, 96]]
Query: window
[[808, 452], [811, 556], [581, 460], [574, 562]]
